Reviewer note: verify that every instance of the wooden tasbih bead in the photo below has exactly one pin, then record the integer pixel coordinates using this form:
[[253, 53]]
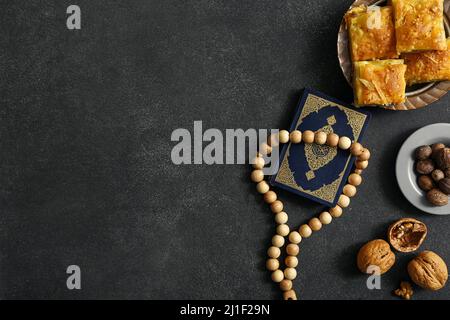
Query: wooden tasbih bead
[[258, 163], [356, 149], [283, 230], [257, 175], [274, 252], [276, 206], [332, 140], [291, 261], [281, 217], [292, 249], [320, 138], [284, 278], [343, 201], [305, 231], [365, 155], [354, 179], [295, 136], [277, 276], [361, 164], [283, 136], [344, 143], [272, 264], [277, 241], [325, 217], [336, 211], [295, 237], [274, 140], [349, 190], [262, 187], [308, 136], [315, 224], [270, 197], [286, 285], [265, 149], [290, 273], [289, 295]]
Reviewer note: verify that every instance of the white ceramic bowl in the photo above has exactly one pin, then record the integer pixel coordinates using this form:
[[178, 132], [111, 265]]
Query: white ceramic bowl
[[404, 167]]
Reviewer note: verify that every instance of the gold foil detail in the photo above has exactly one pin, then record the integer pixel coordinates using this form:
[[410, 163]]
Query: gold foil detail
[[310, 175], [318, 156], [331, 120]]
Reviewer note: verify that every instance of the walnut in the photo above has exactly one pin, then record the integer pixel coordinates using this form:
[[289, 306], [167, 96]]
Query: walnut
[[375, 253], [447, 173], [405, 291], [435, 148], [442, 158], [425, 166], [406, 235], [428, 271], [437, 197], [423, 152], [426, 183], [437, 175], [444, 185]]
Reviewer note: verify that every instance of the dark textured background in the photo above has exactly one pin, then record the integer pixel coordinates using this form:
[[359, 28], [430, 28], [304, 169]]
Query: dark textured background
[[85, 170]]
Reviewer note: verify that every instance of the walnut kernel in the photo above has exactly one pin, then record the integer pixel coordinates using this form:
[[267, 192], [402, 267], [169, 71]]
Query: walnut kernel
[[405, 291], [407, 235]]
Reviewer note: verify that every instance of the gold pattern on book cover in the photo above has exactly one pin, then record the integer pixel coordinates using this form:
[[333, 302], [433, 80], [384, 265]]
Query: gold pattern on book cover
[[319, 156]]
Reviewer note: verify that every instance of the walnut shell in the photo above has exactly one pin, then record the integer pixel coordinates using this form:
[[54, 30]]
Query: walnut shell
[[435, 148], [407, 235], [425, 166], [423, 152], [442, 158], [444, 185], [437, 175], [447, 173], [428, 271], [437, 197], [426, 183], [375, 253]]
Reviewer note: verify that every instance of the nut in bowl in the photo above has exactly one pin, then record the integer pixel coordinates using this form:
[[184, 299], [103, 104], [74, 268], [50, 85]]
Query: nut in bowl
[[386, 57], [422, 168], [432, 168]]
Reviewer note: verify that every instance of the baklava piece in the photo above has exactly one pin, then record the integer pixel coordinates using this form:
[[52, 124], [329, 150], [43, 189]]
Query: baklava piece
[[380, 82], [371, 33], [419, 25], [427, 66]]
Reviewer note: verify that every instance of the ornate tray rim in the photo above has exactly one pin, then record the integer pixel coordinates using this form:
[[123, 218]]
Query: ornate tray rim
[[419, 98]]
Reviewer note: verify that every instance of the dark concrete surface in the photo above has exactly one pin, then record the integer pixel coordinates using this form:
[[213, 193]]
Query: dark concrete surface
[[85, 171]]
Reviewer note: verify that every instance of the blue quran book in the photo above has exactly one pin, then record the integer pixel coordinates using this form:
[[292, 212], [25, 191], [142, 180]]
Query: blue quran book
[[319, 172]]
